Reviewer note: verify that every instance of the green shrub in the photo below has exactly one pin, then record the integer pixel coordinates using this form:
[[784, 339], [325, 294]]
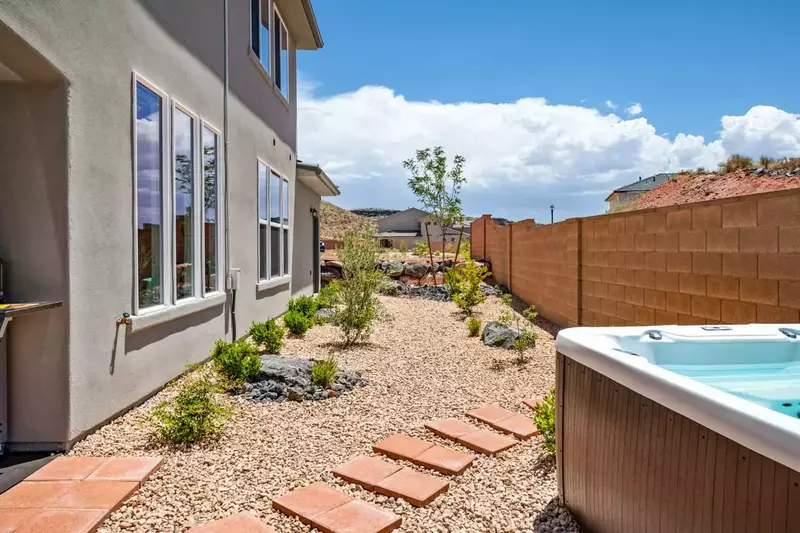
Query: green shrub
[[358, 305], [191, 416], [328, 295], [235, 362], [296, 322], [545, 419], [421, 248], [736, 162], [268, 334], [403, 247], [474, 326], [323, 372], [465, 285], [305, 305]]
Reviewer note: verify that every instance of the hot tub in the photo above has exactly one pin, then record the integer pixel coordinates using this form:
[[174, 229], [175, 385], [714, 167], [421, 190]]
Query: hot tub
[[680, 428]]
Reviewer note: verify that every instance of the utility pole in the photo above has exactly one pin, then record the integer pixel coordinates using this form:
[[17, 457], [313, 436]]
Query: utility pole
[[552, 207]]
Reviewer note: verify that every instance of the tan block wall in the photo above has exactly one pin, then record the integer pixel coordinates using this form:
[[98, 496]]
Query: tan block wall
[[735, 260]]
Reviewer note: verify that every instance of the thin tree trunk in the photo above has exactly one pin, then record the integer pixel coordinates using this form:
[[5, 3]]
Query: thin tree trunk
[[458, 246], [430, 250]]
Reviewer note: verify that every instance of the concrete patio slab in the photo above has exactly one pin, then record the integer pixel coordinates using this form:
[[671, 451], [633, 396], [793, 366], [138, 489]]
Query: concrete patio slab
[[450, 428], [414, 487], [357, 517], [309, 502], [366, 471], [67, 469], [107, 495], [444, 460], [486, 442], [64, 521], [400, 446], [238, 523], [34, 494], [126, 469]]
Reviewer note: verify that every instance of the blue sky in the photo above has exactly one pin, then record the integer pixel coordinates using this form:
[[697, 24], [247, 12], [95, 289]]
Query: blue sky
[[389, 69]]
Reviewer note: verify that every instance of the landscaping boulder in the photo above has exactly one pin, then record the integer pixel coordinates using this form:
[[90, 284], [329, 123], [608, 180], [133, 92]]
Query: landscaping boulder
[[499, 335], [395, 269], [416, 270]]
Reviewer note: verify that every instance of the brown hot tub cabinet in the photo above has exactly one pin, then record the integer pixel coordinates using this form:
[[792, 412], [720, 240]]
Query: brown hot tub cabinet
[[628, 464]]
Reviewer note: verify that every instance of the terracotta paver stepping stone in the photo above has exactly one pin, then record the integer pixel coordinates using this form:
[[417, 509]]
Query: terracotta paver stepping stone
[[12, 519], [507, 421], [366, 471], [107, 495], [450, 428], [34, 494], [487, 442], [126, 469], [414, 487], [400, 446], [357, 517], [531, 402], [444, 460], [64, 521], [67, 469], [311, 501], [238, 523]]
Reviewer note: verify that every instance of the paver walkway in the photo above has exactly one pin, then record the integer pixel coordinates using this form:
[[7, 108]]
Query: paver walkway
[[424, 453], [472, 437], [520, 426], [73, 494], [532, 402], [332, 511], [392, 480], [239, 523]]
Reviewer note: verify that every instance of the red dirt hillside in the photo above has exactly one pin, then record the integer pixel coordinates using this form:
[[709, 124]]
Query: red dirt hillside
[[688, 188]]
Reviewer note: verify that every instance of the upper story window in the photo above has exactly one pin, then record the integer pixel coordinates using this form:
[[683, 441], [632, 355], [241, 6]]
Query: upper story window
[[259, 31], [273, 224], [281, 53]]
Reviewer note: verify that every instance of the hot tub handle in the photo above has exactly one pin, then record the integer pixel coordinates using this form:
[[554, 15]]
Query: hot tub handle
[[654, 334], [788, 332]]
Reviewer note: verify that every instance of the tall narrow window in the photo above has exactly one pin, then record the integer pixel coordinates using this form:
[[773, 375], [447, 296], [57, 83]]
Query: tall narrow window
[[275, 225], [281, 52], [210, 209], [263, 220], [183, 168], [149, 223], [285, 230], [259, 31], [255, 26]]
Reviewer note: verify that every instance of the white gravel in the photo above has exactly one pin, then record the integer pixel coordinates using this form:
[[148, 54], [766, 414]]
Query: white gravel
[[421, 366]]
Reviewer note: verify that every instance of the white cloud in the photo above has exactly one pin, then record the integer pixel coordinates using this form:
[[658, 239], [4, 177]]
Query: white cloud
[[610, 104], [519, 154], [634, 109]]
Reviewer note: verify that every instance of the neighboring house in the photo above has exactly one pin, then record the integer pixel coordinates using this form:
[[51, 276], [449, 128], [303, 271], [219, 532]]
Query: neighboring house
[[114, 197], [627, 193], [410, 227]]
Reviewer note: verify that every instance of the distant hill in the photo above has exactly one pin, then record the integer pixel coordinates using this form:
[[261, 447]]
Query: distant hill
[[374, 212], [334, 222]]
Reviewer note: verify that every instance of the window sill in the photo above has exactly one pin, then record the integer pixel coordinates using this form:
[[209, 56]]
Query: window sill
[[259, 66], [272, 283], [162, 314], [281, 96]]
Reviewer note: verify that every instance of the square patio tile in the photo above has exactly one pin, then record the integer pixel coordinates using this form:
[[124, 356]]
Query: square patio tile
[[64, 521], [357, 517], [30, 494], [67, 469], [400, 446], [238, 523], [490, 414], [450, 428], [414, 487], [126, 469], [106, 495], [365, 471], [531, 402], [520, 426], [444, 460], [311, 501], [486, 442], [12, 519]]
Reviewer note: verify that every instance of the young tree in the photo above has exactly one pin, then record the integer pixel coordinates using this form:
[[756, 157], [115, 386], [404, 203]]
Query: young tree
[[438, 189]]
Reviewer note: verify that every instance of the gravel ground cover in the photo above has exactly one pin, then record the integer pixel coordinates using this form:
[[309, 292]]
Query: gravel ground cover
[[420, 365]]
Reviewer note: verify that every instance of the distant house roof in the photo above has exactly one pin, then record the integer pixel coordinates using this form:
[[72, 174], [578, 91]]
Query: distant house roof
[[643, 185], [390, 234]]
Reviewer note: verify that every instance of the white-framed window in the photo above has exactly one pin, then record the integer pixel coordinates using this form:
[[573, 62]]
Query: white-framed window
[[177, 212], [260, 41], [273, 224], [280, 52]]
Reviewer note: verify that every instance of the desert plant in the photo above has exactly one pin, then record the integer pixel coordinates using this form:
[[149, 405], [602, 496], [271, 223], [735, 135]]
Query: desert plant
[[420, 249], [323, 372], [465, 285], [305, 305], [268, 334], [527, 338], [328, 295], [358, 305], [191, 416], [736, 162], [389, 287], [403, 247], [235, 362], [766, 162], [506, 315], [296, 322], [473, 326], [544, 416]]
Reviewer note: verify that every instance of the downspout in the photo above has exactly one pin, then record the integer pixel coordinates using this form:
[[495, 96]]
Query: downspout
[[226, 145]]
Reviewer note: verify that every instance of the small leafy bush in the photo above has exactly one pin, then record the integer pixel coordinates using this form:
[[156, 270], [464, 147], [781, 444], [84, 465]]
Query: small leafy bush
[[421, 248], [323, 372], [268, 334], [736, 162], [465, 285], [544, 416], [403, 247], [328, 296], [296, 322], [305, 305], [192, 416], [235, 362], [474, 326]]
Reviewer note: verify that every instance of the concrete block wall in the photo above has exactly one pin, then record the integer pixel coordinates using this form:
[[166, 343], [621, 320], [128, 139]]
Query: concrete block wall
[[735, 260]]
